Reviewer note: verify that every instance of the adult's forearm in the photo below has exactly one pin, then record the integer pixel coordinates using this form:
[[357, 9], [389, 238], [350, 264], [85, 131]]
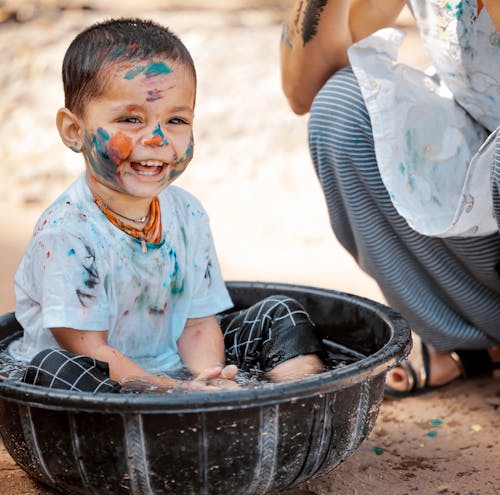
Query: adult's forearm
[[314, 45], [368, 16]]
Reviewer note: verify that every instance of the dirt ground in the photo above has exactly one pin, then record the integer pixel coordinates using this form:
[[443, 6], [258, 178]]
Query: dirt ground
[[253, 174]]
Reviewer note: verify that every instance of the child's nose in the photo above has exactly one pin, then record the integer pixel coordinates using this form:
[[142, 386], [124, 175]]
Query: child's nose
[[157, 138]]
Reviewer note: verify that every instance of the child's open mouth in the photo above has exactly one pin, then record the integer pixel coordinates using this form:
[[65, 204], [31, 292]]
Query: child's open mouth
[[149, 167]]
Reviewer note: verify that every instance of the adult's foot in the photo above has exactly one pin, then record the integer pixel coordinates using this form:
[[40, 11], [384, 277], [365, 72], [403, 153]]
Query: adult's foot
[[424, 367]]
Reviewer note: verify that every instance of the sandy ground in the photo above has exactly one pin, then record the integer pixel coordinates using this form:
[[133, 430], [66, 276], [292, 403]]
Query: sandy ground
[[253, 174]]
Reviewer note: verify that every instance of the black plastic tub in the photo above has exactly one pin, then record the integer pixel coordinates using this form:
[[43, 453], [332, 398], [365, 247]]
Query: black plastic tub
[[225, 442]]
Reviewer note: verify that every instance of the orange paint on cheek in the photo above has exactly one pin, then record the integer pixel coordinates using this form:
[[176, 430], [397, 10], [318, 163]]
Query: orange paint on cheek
[[154, 141], [119, 147]]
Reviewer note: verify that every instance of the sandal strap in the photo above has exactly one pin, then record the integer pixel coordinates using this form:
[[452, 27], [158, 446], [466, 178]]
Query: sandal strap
[[426, 363], [418, 377], [473, 363], [412, 378]]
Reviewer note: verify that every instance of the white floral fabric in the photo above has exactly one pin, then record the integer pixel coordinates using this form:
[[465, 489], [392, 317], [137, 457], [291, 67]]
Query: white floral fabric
[[435, 131]]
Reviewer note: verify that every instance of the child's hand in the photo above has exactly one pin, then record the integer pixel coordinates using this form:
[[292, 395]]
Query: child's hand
[[209, 380], [219, 383], [164, 384], [219, 376], [218, 371]]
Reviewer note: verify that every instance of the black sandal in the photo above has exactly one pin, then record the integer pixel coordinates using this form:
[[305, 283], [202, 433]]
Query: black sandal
[[472, 364]]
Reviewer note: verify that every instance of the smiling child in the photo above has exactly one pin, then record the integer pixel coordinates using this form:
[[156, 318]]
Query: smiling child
[[120, 285]]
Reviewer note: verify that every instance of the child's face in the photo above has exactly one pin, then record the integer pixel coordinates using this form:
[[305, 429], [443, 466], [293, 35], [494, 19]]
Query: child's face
[[138, 135]]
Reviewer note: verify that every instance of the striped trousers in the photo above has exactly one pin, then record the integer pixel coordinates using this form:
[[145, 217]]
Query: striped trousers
[[447, 288]]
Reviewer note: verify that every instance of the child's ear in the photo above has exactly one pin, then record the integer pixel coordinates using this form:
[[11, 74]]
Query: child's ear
[[69, 127]]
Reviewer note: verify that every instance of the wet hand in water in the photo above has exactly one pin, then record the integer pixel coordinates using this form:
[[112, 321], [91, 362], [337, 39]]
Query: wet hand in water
[[219, 376], [210, 379]]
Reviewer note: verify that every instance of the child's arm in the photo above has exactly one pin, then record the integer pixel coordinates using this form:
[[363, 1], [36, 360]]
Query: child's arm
[[121, 368], [201, 347]]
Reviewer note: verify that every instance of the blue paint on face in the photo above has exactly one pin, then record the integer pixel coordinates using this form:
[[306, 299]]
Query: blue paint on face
[[151, 70], [156, 69], [182, 162], [131, 74], [71, 252], [190, 149], [158, 132], [188, 154], [95, 148]]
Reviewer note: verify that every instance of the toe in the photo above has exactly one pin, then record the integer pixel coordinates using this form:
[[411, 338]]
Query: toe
[[397, 379]]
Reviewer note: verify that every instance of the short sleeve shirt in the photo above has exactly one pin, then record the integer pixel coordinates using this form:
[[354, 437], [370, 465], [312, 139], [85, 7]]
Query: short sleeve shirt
[[80, 271]]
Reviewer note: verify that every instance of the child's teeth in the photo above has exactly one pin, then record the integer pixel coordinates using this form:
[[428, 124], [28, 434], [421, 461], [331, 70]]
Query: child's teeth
[[152, 163]]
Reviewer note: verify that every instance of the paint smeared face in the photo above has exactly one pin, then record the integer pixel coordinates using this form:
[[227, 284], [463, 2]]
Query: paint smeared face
[[138, 135]]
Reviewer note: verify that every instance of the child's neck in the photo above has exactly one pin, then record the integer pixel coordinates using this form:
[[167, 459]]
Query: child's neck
[[133, 210]]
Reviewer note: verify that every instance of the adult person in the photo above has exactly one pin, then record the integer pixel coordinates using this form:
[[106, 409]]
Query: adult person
[[409, 163]]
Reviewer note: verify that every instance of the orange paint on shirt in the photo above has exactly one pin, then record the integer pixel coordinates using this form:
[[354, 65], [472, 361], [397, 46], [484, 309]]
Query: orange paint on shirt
[[119, 147]]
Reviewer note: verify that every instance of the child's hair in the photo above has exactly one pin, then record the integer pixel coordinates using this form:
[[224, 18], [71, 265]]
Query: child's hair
[[115, 40]]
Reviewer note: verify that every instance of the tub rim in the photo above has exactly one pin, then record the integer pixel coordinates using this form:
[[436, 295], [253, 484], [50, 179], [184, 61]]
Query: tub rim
[[388, 356]]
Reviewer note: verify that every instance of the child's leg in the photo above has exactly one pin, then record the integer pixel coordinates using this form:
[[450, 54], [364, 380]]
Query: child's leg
[[58, 368], [275, 335]]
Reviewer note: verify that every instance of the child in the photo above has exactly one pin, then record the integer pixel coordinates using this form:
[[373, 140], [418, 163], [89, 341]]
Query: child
[[120, 284]]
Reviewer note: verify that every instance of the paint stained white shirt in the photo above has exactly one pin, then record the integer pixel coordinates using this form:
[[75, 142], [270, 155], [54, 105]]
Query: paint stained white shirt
[[80, 271], [434, 132]]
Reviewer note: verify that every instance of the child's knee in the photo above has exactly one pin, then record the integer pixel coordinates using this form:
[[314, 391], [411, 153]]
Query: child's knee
[[61, 369], [279, 306], [296, 368], [44, 365]]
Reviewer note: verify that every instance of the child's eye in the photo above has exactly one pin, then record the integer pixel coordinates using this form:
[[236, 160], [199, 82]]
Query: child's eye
[[177, 121], [131, 120]]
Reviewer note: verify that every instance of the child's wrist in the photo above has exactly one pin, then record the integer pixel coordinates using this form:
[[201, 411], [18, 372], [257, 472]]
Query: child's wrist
[[153, 383]]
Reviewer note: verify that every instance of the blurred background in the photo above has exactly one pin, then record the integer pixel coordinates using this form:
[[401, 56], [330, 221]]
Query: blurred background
[[251, 168]]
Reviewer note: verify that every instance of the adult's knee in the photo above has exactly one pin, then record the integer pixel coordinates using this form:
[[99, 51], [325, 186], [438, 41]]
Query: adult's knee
[[338, 114]]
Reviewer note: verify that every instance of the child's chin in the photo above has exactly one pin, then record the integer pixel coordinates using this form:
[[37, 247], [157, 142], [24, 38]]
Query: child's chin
[[146, 187]]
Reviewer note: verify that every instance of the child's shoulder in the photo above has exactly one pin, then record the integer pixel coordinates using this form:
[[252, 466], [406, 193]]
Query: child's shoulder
[[183, 201], [69, 211]]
